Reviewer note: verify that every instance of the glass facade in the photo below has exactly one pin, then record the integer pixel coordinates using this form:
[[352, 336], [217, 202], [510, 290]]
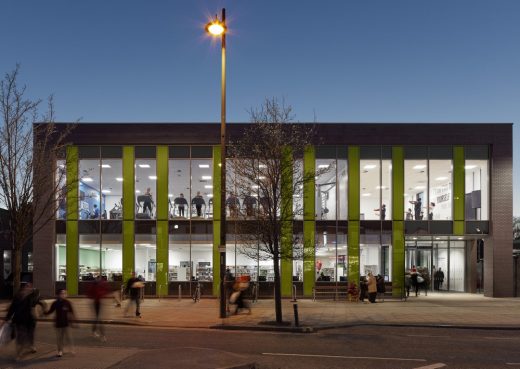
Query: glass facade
[[187, 194]]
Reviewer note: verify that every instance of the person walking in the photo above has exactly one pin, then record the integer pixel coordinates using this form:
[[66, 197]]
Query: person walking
[[181, 203], [362, 288], [133, 290], [64, 313], [198, 201], [372, 288], [97, 292]]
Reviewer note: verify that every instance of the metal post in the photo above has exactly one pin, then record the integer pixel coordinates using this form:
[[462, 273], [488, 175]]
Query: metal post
[[222, 245], [180, 292], [296, 318], [294, 293]]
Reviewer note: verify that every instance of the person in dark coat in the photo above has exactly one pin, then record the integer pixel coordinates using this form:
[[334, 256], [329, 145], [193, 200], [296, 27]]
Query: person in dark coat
[[198, 201], [64, 313], [417, 207], [363, 288], [133, 290], [249, 203], [181, 203], [97, 292], [233, 203]]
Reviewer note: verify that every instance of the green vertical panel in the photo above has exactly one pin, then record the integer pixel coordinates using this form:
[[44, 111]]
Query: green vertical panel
[[128, 248], [162, 182], [72, 183], [458, 227], [309, 241], [162, 258], [217, 175], [216, 182], [309, 170], [128, 183], [287, 226], [397, 183], [309, 217], [353, 182], [216, 258], [72, 255], [398, 258], [353, 251], [458, 183]]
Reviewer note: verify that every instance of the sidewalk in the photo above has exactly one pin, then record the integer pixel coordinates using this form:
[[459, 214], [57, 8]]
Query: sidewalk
[[440, 310]]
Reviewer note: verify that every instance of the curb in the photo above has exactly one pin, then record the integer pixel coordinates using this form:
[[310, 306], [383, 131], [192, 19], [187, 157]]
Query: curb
[[264, 328], [415, 325]]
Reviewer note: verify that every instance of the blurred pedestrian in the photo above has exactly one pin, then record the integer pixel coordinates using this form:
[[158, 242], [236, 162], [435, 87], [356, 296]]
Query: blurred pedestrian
[[62, 321], [133, 291], [372, 288], [229, 280], [362, 288], [98, 290], [23, 319]]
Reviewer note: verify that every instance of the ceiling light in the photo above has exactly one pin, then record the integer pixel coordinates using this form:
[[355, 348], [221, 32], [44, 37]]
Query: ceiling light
[[137, 191], [441, 178], [208, 186], [105, 166], [381, 187], [176, 226], [420, 166], [262, 166], [405, 194], [88, 179], [153, 178], [460, 238], [323, 166], [369, 166], [420, 187], [470, 167], [144, 165], [437, 238], [414, 238], [206, 177], [119, 179], [170, 195], [106, 191], [366, 194], [209, 195], [203, 165]]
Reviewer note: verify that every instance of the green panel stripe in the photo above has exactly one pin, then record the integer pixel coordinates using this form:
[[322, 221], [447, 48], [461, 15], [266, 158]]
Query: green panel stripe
[[309, 170], [398, 258], [162, 182], [216, 183], [128, 184], [216, 257], [309, 252], [458, 228], [72, 256], [397, 183], [353, 182], [72, 183], [353, 251], [458, 183], [162, 258], [287, 226], [128, 248]]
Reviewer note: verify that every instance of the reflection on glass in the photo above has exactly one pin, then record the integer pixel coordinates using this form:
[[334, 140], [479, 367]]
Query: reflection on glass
[[89, 189], [386, 189], [145, 187], [371, 207], [89, 256], [145, 259], [326, 195], [477, 190], [441, 190], [342, 189], [61, 180], [61, 260], [111, 189], [298, 189], [415, 185]]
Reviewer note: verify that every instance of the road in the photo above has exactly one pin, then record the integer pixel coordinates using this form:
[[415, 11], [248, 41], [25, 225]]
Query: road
[[132, 347]]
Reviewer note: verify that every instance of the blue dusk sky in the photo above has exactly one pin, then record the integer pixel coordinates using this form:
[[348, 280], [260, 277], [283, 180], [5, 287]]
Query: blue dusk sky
[[343, 61]]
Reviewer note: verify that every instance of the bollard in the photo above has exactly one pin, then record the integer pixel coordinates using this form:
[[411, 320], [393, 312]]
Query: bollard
[[180, 293], [294, 293], [296, 319]]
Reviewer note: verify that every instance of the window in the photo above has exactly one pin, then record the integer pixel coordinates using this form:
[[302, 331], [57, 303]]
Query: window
[[180, 265], [89, 189], [342, 189], [145, 188], [61, 180], [371, 207], [416, 189], [179, 195], [326, 191], [111, 189], [326, 261], [89, 256], [202, 188], [477, 189], [441, 190], [145, 259], [112, 257]]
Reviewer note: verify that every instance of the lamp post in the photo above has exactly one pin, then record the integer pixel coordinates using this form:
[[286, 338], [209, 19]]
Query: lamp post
[[218, 28]]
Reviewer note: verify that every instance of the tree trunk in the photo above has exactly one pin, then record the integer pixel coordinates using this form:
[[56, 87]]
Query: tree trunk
[[277, 286]]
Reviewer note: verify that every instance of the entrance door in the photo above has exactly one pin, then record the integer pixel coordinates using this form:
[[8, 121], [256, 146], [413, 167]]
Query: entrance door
[[419, 254]]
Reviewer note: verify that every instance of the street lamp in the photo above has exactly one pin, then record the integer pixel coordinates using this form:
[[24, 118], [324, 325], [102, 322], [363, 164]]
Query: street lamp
[[217, 28]]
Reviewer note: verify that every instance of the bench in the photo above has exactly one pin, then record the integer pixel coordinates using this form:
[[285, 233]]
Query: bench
[[335, 291]]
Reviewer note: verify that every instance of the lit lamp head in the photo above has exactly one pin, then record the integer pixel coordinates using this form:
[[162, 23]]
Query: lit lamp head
[[216, 28]]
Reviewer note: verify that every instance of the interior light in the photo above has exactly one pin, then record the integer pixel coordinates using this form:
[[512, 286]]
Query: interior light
[[369, 166], [153, 178], [106, 191], [262, 166], [470, 167], [323, 166], [437, 238], [208, 186], [210, 195], [203, 165], [460, 238], [144, 165], [261, 177], [206, 177], [170, 195], [420, 187], [414, 238], [176, 226], [88, 179], [137, 191], [420, 166], [119, 179], [441, 178], [105, 166], [366, 194], [381, 187]]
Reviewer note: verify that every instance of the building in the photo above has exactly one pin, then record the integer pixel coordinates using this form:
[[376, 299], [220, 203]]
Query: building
[[444, 186]]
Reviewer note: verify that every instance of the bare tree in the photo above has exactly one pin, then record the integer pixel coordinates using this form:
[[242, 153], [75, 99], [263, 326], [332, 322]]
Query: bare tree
[[27, 149], [266, 171]]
